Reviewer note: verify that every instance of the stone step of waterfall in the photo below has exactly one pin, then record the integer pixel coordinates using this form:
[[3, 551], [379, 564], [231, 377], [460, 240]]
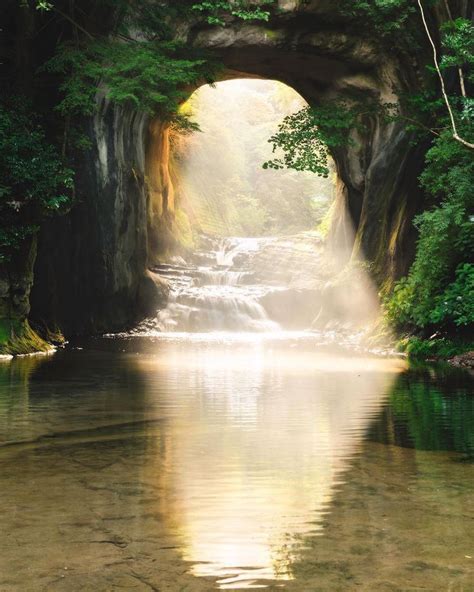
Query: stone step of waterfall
[[209, 274], [168, 270], [223, 277], [244, 284]]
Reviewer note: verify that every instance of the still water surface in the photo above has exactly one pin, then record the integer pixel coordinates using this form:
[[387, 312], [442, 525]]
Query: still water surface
[[211, 463]]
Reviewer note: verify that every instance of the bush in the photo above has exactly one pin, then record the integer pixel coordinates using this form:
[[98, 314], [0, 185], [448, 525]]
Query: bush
[[436, 347], [439, 287], [34, 182], [456, 304]]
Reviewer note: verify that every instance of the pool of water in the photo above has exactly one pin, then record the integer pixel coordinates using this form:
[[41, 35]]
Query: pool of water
[[201, 463]]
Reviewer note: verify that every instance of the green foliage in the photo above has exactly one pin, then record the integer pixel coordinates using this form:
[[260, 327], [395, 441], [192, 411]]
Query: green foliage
[[35, 183], [306, 137], [439, 288], [149, 75], [434, 347], [215, 10], [388, 21], [43, 5], [458, 45], [456, 304], [11, 238]]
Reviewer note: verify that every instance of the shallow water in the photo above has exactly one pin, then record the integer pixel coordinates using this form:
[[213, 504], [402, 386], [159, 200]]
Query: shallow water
[[229, 462]]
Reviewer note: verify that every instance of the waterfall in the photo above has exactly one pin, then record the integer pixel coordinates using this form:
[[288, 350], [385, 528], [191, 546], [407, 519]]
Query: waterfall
[[219, 295]]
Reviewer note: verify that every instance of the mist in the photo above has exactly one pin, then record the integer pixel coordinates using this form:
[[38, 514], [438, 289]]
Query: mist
[[263, 254], [225, 191]]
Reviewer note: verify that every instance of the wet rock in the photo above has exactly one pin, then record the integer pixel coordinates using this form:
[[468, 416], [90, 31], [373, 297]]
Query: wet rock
[[91, 261], [178, 260], [16, 280], [465, 360], [153, 293], [292, 308]]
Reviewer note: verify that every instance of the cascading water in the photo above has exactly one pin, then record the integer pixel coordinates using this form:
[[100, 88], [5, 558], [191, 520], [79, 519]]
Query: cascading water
[[217, 292], [267, 285]]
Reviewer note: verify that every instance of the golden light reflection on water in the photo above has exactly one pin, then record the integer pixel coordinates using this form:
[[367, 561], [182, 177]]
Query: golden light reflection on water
[[153, 462], [263, 437]]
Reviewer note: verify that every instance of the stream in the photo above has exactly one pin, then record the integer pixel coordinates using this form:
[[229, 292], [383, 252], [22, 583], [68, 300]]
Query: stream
[[223, 446]]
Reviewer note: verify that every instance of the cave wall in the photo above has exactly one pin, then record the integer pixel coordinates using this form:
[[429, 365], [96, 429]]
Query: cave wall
[[16, 281], [165, 232], [90, 266], [90, 274]]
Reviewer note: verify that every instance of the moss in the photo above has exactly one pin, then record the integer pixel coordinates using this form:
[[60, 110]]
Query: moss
[[272, 35], [52, 335], [17, 337], [55, 336], [6, 327]]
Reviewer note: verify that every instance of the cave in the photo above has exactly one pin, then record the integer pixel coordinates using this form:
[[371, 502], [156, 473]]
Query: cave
[[224, 366], [91, 274]]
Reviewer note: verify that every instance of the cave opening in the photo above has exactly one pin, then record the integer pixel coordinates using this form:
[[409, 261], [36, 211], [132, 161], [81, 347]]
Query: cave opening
[[223, 186], [241, 244]]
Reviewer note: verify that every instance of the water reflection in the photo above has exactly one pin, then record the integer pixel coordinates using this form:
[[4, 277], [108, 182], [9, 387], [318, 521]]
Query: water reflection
[[429, 410], [244, 463], [258, 447]]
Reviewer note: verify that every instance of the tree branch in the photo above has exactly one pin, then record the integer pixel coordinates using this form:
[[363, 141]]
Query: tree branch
[[419, 124], [456, 135], [72, 21]]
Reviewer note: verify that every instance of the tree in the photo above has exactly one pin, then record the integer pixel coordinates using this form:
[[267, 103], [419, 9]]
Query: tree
[[35, 182]]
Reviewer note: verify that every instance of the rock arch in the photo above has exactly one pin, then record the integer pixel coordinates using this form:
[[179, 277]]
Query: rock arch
[[91, 267]]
